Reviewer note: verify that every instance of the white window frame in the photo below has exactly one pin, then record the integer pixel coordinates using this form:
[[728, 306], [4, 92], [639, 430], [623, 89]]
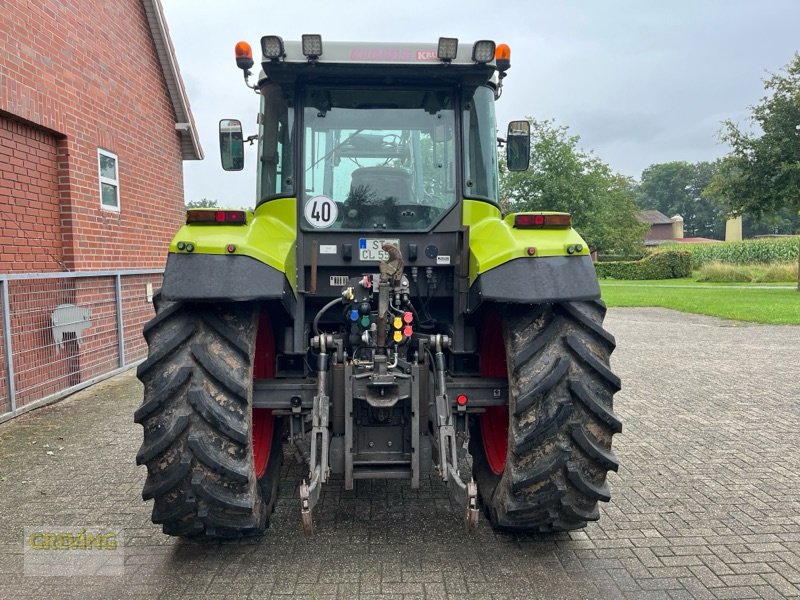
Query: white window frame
[[108, 180]]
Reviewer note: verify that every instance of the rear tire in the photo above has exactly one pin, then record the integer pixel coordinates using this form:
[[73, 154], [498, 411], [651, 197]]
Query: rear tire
[[198, 422], [559, 422]]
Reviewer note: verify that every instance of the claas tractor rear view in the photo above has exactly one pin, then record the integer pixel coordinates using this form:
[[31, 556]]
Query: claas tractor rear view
[[376, 310]]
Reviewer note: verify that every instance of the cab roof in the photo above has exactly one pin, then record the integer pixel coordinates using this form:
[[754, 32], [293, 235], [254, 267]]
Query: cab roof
[[366, 60]]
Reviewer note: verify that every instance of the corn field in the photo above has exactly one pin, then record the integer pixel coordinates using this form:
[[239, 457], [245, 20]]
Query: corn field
[[748, 252]]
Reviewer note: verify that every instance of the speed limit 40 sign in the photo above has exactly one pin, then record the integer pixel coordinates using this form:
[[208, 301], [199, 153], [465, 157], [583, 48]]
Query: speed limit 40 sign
[[321, 212]]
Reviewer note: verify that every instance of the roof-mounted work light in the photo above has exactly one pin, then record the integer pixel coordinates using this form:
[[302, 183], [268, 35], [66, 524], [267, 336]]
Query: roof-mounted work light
[[447, 49], [272, 47], [312, 46], [483, 51]]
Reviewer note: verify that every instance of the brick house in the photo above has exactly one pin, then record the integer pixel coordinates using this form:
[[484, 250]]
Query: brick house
[[94, 127], [89, 89], [661, 226]]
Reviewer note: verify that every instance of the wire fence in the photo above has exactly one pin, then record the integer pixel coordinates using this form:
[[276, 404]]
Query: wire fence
[[64, 331]]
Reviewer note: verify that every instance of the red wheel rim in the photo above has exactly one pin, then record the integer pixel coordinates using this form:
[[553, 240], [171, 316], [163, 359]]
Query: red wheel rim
[[494, 433], [263, 419], [262, 439], [494, 422]]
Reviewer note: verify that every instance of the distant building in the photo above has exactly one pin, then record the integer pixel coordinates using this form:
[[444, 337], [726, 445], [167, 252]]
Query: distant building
[[661, 228], [94, 128], [665, 229]]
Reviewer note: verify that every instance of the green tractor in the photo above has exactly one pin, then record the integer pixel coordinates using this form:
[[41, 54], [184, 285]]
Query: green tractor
[[376, 310]]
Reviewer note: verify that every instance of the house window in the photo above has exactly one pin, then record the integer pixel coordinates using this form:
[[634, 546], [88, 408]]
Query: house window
[[109, 179]]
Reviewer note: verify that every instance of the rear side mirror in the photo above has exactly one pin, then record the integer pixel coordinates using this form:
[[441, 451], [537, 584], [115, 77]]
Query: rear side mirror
[[518, 146], [231, 144]]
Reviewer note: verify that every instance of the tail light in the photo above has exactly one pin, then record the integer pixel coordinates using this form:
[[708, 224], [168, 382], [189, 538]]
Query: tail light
[[542, 221], [219, 217]]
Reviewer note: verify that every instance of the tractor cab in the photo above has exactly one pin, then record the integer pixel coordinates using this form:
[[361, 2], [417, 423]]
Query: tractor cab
[[376, 136]]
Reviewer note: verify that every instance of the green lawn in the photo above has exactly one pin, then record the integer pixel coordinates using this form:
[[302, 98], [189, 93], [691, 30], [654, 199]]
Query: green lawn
[[772, 304], [692, 282]]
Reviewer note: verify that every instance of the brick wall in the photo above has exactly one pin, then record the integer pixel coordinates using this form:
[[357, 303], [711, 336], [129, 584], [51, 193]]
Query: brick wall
[[30, 229], [660, 231], [76, 75]]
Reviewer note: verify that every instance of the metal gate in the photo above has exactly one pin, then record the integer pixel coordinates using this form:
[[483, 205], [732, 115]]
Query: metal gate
[[65, 331]]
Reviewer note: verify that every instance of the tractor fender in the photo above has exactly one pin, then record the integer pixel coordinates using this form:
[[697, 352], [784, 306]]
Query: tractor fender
[[221, 278], [536, 281], [254, 260]]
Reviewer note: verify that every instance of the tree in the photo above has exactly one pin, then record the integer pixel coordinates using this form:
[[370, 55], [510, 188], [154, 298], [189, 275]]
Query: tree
[[564, 178], [785, 221], [677, 188], [203, 203], [761, 174], [706, 216]]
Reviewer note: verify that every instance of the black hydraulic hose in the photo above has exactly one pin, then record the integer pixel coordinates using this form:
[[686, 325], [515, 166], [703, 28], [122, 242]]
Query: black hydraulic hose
[[426, 325], [322, 311]]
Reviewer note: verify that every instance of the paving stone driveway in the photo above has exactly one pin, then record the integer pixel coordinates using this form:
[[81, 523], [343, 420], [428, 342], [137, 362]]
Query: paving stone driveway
[[706, 503]]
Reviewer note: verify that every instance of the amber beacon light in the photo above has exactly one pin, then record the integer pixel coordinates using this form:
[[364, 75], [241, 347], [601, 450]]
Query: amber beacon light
[[244, 55], [502, 57]]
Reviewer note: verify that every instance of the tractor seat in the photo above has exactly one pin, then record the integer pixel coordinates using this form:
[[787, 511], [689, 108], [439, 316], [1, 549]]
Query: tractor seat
[[383, 183]]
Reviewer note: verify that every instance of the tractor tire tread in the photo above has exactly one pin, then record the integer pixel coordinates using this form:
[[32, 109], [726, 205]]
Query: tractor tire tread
[[547, 426], [586, 486], [166, 480], [221, 496], [540, 470], [594, 449], [226, 421], [164, 513], [541, 385], [561, 420], [575, 311], [603, 414], [581, 351], [196, 420], [164, 349], [237, 341], [219, 372], [161, 393], [527, 352], [162, 315], [161, 440], [218, 460]]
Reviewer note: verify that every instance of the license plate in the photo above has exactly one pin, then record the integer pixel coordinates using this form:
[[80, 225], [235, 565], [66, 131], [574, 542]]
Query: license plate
[[371, 249]]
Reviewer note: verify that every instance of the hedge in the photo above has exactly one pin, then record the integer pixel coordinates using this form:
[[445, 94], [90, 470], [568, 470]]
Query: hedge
[[763, 251], [620, 257], [669, 264]]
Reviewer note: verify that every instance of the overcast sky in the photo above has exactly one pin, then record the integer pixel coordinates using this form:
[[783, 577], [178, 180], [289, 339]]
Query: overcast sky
[[641, 82]]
